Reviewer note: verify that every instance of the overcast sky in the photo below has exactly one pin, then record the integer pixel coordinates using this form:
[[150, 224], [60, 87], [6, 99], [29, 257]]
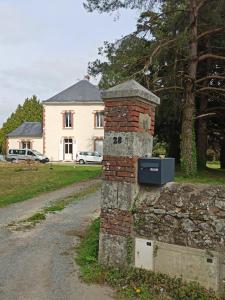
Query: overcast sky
[[45, 46]]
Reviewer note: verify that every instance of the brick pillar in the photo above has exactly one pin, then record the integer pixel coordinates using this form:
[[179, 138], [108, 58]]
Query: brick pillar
[[129, 129]]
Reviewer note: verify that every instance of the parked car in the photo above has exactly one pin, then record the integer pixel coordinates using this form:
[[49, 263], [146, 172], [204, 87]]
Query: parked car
[[89, 157], [26, 154]]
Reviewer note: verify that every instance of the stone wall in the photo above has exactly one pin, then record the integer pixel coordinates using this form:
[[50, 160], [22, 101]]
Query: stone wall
[[183, 214], [178, 229]]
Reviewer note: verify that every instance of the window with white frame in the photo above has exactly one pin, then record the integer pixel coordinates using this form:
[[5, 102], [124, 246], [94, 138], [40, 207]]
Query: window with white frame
[[68, 121], [26, 145], [68, 146], [99, 119]]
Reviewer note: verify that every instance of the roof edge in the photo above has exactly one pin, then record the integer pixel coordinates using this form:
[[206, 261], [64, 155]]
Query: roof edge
[[24, 136], [46, 102]]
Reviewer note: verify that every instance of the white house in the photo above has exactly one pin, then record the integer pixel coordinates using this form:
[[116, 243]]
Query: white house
[[28, 135], [73, 121]]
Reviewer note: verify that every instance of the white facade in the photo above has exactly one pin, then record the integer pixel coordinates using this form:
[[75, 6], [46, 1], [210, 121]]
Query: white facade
[[73, 121], [36, 143], [85, 134]]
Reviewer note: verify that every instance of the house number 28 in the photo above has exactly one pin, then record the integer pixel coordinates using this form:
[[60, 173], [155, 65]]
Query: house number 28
[[117, 140]]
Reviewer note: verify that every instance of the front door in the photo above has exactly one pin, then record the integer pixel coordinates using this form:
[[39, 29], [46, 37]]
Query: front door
[[68, 149], [99, 146]]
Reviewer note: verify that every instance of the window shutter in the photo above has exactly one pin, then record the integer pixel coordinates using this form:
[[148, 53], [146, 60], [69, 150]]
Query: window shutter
[[72, 119], [95, 120], [61, 149], [63, 120]]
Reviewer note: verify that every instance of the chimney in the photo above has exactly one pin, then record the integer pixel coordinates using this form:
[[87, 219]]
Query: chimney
[[87, 77]]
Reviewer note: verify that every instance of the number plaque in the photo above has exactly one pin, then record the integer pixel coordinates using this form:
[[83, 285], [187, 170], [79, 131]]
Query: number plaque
[[117, 140]]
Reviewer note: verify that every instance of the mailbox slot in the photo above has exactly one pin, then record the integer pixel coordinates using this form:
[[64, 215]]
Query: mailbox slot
[[155, 171]]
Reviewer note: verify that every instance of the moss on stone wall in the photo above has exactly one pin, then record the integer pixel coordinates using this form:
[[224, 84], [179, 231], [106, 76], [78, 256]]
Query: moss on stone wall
[[183, 214]]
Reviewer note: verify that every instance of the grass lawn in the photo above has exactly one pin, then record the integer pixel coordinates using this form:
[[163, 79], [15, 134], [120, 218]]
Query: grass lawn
[[211, 175], [19, 182]]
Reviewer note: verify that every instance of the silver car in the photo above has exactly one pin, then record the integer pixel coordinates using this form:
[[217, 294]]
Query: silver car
[[89, 157]]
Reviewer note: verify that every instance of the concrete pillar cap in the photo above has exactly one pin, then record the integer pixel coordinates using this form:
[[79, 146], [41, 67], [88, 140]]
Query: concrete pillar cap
[[130, 88]]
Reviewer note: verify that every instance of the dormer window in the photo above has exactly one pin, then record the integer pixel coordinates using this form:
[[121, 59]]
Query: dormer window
[[68, 119], [99, 119]]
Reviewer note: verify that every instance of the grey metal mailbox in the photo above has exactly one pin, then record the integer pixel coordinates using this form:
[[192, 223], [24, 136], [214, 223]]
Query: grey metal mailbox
[[156, 171]]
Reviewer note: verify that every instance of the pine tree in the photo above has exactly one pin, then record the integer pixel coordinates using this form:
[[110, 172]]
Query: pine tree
[[30, 111], [178, 31]]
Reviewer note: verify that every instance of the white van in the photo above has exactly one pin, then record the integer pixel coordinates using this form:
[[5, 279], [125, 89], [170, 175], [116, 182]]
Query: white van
[[26, 154]]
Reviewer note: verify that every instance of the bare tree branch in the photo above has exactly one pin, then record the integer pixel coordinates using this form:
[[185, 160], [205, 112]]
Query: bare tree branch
[[210, 77], [203, 34], [202, 3], [164, 77], [210, 55], [210, 88], [205, 115], [169, 88]]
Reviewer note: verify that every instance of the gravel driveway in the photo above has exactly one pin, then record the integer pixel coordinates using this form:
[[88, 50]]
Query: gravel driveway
[[25, 209], [39, 264]]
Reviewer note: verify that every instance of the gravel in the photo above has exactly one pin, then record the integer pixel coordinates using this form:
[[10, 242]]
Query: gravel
[[25, 209], [39, 264]]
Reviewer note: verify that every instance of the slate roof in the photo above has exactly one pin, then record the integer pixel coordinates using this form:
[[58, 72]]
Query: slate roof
[[27, 129], [82, 91]]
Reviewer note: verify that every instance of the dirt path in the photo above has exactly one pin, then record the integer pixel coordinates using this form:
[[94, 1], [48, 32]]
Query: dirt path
[[39, 264], [23, 210]]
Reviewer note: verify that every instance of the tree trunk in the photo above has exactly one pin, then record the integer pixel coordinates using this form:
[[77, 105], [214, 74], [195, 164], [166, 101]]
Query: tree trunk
[[174, 143], [222, 154], [188, 144], [202, 142]]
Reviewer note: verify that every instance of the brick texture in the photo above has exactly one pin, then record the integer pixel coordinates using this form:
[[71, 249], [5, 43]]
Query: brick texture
[[116, 222], [120, 168], [123, 115]]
